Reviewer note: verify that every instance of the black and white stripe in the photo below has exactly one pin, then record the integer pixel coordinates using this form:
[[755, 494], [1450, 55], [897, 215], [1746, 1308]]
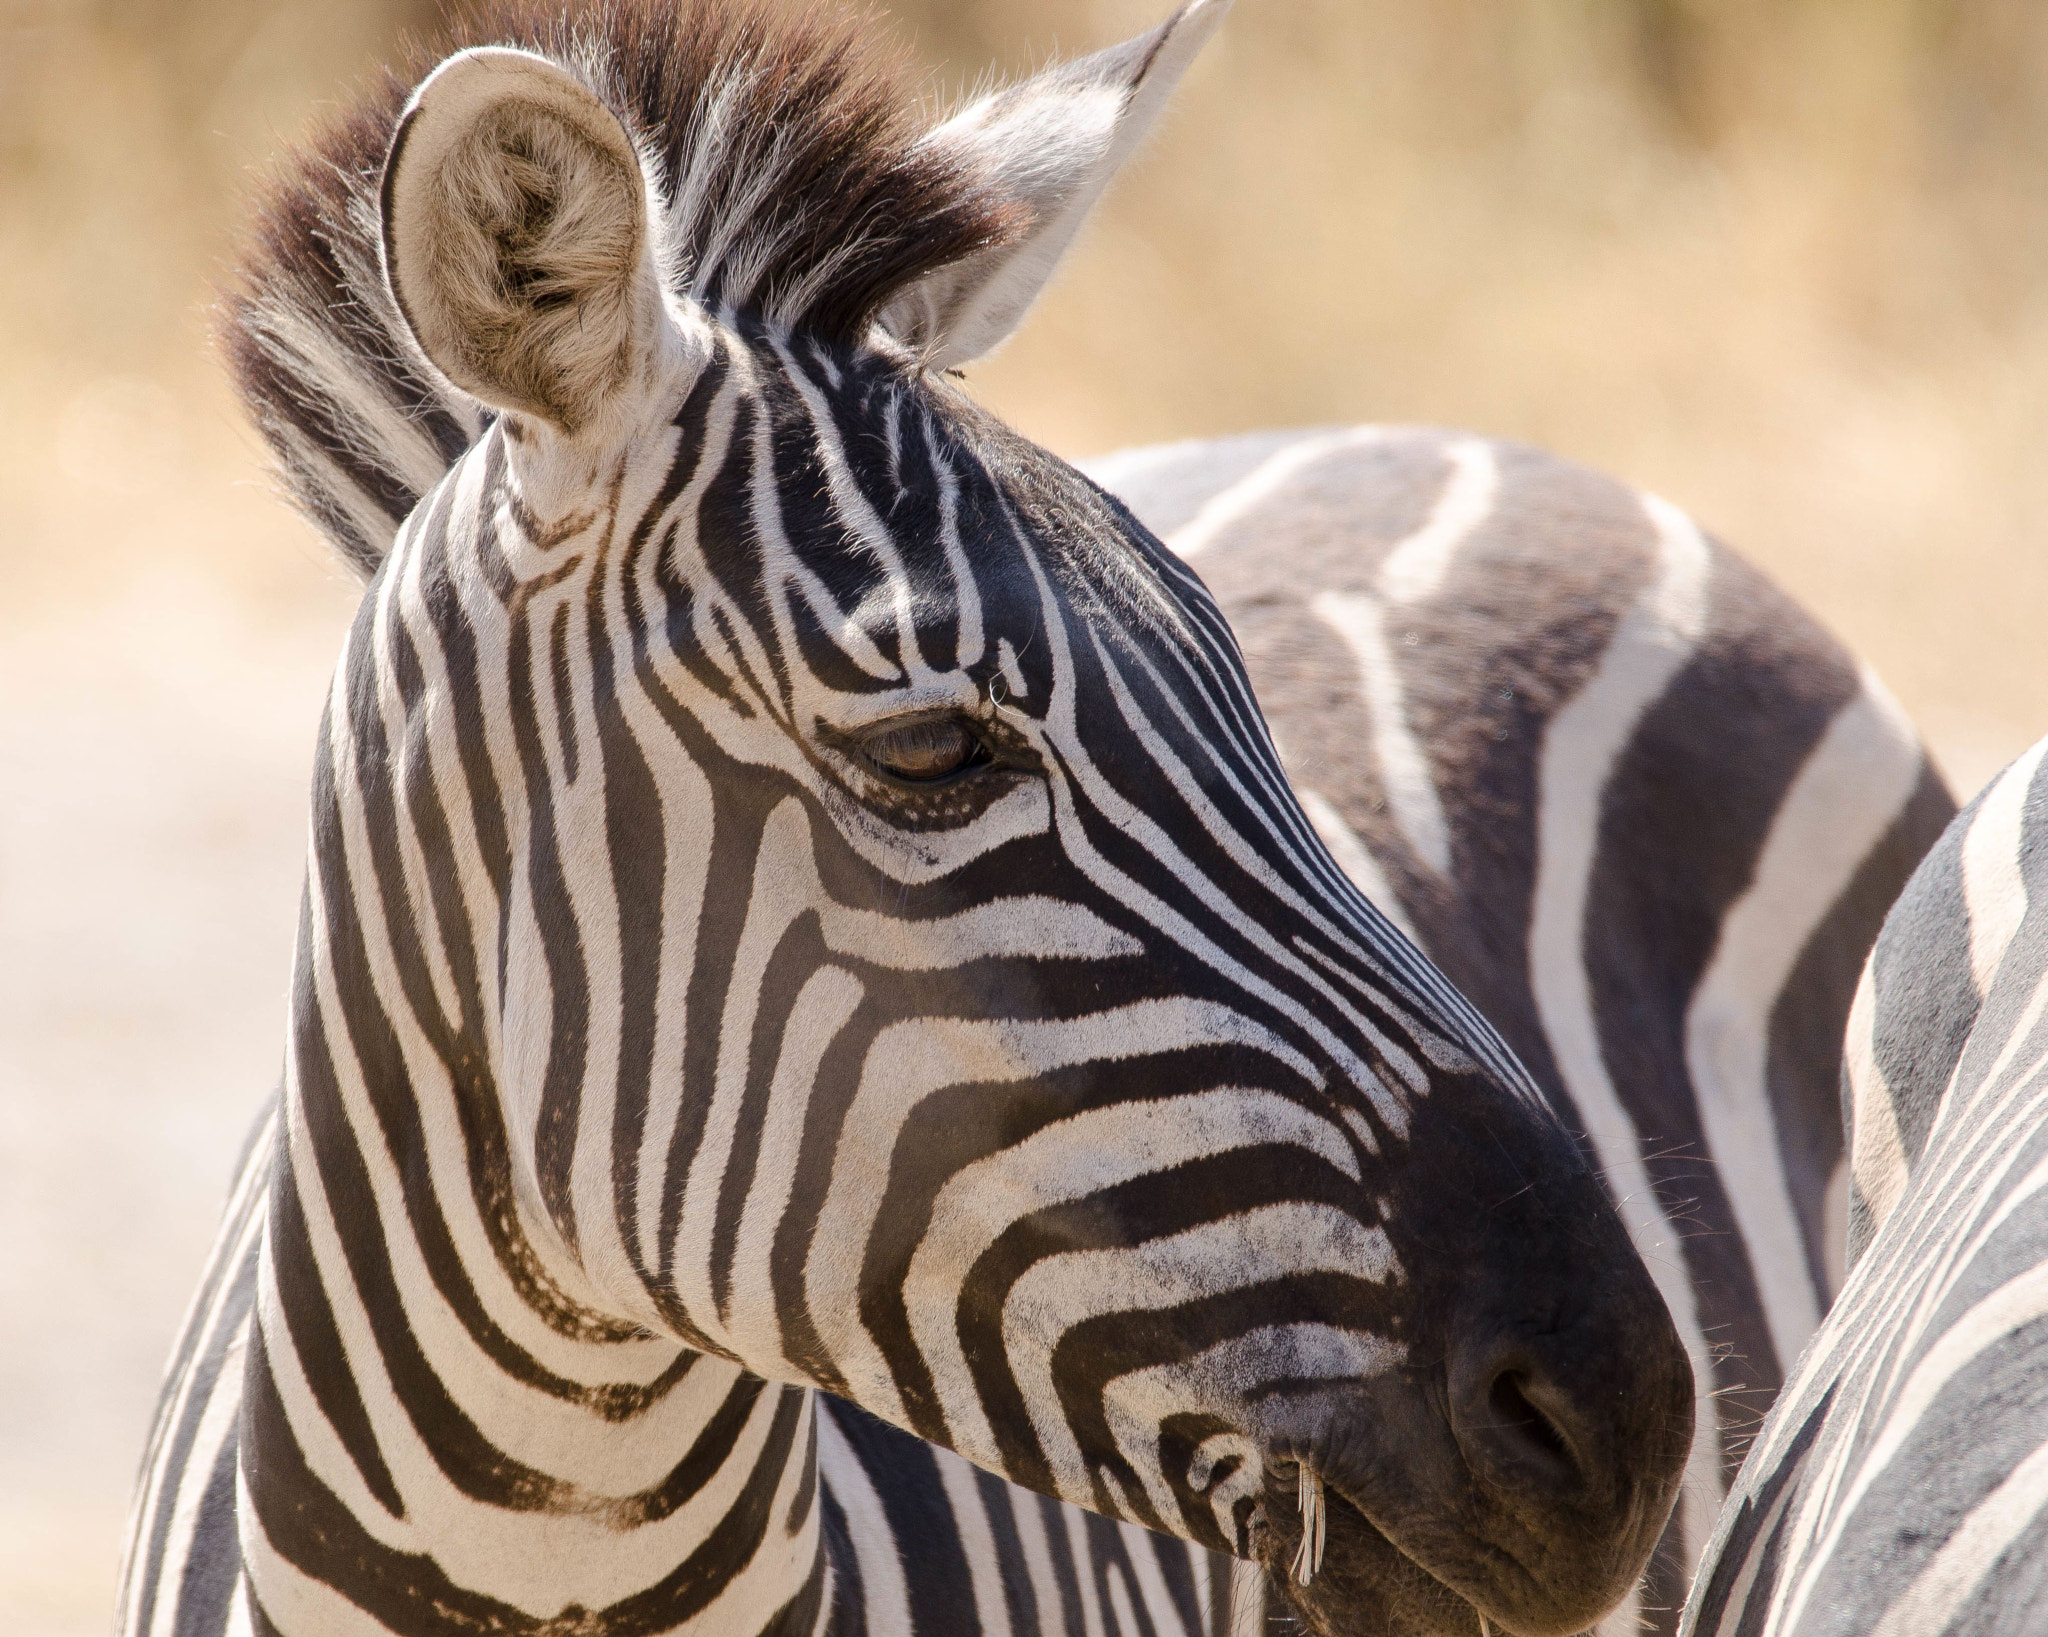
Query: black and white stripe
[[1635, 803], [989, 1556], [661, 1063], [1900, 1487]]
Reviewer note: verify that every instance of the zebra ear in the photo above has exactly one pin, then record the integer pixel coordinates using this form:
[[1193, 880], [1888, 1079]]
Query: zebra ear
[[1052, 142], [515, 233]]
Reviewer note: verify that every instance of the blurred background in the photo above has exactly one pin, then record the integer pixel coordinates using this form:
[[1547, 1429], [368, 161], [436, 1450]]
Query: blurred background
[[1785, 261]]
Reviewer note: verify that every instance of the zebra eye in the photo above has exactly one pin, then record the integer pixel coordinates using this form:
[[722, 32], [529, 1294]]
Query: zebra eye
[[925, 752]]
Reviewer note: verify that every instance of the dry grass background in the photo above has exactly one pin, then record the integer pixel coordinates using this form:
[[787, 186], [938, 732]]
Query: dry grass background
[[1786, 261]]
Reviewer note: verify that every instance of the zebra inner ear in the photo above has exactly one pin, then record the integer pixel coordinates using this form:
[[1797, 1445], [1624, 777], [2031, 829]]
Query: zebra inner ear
[[1052, 143], [516, 239]]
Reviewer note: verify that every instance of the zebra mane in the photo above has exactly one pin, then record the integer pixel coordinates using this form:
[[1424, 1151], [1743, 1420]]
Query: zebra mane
[[785, 150]]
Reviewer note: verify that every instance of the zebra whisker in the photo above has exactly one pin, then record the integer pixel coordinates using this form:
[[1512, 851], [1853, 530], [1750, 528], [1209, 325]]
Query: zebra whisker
[[1308, 1557]]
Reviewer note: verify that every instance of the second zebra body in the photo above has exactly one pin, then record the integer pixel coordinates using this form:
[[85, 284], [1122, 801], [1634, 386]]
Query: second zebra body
[[1635, 802], [1900, 1488]]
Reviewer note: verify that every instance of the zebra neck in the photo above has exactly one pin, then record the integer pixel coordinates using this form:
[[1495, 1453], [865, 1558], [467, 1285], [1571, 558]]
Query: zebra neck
[[441, 1424]]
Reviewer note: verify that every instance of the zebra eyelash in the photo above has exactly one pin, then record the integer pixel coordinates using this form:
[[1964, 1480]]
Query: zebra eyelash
[[926, 752]]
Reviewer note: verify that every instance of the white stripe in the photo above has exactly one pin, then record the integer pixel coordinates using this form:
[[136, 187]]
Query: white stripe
[[1404, 765], [1247, 1598], [1120, 1608], [885, 1595], [1993, 888], [1838, 807], [1759, 1549], [1877, 1154], [1835, 1230], [1888, 1337], [291, 1599], [2017, 1039], [1414, 570], [239, 1622], [856, 513], [1580, 748], [241, 1229], [1084, 1569], [217, 1421], [1144, 1548], [971, 642], [977, 1542], [2012, 1306], [1940, 1590], [1027, 1511], [1232, 505], [828, 999]]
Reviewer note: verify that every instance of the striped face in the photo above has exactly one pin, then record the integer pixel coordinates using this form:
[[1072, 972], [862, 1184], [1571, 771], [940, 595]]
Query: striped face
[[856, 897], [914, 977]]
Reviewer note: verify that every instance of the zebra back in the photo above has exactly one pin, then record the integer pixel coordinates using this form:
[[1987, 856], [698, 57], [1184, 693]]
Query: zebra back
[[1637, 804]]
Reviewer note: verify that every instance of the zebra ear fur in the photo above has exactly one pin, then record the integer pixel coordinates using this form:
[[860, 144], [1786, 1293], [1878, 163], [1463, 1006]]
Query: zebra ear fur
[[515, 237], [1052, 142]]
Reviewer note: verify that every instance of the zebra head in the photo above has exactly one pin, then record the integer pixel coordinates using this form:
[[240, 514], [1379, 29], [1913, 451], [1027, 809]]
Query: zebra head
[[839, 846]]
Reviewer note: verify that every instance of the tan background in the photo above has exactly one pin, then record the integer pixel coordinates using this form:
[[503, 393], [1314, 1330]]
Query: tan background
[[1785, 261]]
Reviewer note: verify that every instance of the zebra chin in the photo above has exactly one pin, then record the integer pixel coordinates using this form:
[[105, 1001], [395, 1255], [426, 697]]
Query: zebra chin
[[1518, 1485], [1388, 1568], [1415, 1541]]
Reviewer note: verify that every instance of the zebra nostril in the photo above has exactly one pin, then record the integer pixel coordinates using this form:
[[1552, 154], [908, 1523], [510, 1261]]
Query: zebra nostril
[[1520, 1431], [1515, 1416]]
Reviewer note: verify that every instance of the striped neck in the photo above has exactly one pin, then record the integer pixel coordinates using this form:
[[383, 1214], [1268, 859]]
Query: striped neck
[[479, 1440], [450, 1426]]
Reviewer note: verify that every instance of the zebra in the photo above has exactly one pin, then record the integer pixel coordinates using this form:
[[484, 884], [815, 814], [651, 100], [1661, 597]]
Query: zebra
[[367, 433], [830, 1086], [1632, 800], [1898, 1487]]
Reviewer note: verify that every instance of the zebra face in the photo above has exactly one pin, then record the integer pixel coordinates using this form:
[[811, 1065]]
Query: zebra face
[[915, 977]]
